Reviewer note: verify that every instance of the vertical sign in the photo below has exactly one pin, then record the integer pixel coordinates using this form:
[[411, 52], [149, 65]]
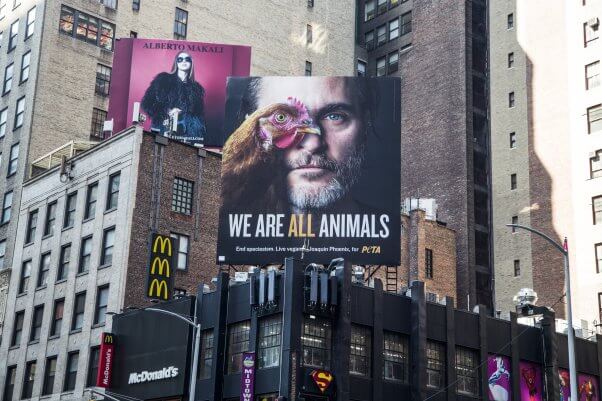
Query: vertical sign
[[160, 270], [498, 371], [530, 382], [105, 360], [247, 378]]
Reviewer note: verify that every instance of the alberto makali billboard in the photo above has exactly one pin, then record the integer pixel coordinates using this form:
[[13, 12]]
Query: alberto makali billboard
[[311, 166], [169, 77]]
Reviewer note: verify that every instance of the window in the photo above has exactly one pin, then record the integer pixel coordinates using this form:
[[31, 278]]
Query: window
[[180, 24], [2, 12], [13, 161], [11, 376], [57, 317], [93, 366], [594, 119], [108, 242], [49, 374], [369, 40], [71, 371], [133, 34], [514, 221], [70, 205], [103, 80], [113, 191], [308, 68], [270, 329], [8, 79], [393, 62], [98, 119], [467, 371], [435, 364], [600, 305], [86, 28], [31, 19], [50, 219], [316, 344], [309, 34], [510, 59], [36, 323], [510, 21], [109, 3], [206, 356], [597, 208], [16, 3], [102, 300], [2, 253], [32, 224], [395, 357], [513, 181], [369, 10], [183, 241], [381, 35], [512, 140], [85, 252], [17, 329], [381, 68], [310, 3], [44, 268], [516, 268], [6, 207], [406, 23], [136, 5], [181, 199], [25, 274], [592, 75], [393, 29], [359, 355], [19, 112], [598, 252], [78, 311], [511, 99], [28, 379], [428, 263], [91, 198], [590, 31], [238, 342], [3, 118], [12, 39], [381, 6], [361, 68], [65, 256]]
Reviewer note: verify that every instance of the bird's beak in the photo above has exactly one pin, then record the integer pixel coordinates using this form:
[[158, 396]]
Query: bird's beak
[[309, 129]]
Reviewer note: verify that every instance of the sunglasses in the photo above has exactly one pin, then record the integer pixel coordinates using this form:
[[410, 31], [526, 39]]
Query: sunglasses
[[181, 59]]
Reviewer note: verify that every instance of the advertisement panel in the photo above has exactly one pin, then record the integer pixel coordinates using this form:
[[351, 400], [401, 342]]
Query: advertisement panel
[[247, 378], [105, 360], [499, 382], [311, 167], [173, 76], [564, 380], [530, 381], [587, 387], [161, 268]]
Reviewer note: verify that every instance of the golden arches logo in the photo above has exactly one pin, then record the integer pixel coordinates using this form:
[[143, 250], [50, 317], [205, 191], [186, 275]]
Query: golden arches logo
[[163, 264], [162, 243], [108, 339], [159, 287]]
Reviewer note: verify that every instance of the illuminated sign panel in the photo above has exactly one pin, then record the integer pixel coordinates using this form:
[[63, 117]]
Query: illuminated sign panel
[[160, 270], [105, 360]]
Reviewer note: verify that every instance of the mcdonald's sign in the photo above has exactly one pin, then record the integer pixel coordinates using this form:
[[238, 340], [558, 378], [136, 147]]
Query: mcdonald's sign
[[105, 360], [163, 251]]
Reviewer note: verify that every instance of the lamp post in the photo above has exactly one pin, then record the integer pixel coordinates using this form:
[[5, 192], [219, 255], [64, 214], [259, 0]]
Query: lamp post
[[196, 330], [564, 249]]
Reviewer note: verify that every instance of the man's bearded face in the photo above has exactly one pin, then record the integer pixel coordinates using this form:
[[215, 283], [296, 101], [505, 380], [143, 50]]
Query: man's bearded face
[[321, 169]]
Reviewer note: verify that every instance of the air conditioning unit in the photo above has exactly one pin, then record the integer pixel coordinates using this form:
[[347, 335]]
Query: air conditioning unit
[[593, 22], [431, 297]]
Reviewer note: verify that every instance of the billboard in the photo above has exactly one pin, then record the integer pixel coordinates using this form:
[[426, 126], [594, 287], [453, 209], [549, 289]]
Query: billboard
[[311, 167], [161, 269], [564, 379], [530, 381], [587, 386], [499, 380], [105, 360], [169, 77]]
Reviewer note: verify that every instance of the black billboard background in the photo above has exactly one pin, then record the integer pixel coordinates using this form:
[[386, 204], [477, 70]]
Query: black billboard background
[[378, 189]]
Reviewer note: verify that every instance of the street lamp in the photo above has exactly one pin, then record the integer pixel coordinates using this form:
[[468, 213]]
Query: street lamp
[[564, 249], [196, 330]]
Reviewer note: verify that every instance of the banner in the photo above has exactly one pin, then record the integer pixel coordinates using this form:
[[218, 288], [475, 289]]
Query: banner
[[173, 76], [530, 382], [311, 168], [587, 387], [162, 265], [105, 360], [247, 378], [499, 380]]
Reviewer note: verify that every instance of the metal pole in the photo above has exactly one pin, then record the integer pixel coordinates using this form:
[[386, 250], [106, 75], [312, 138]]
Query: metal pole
[[571, 332], [195, 357]]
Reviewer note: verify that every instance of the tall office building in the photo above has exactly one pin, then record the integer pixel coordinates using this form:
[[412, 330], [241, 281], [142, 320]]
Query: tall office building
[[546, 130], [440, 51]]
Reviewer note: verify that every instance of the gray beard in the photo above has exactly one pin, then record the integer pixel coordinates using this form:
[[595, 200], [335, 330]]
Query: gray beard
[[312, 197]]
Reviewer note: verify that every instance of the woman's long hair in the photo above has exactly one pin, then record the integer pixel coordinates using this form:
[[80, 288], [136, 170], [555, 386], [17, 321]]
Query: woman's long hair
[[189, 73]]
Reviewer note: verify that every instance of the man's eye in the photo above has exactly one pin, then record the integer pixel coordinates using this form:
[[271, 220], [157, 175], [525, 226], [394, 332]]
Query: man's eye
[[334, 117]]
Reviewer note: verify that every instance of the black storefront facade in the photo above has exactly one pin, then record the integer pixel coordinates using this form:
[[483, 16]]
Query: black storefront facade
[[315, 335]]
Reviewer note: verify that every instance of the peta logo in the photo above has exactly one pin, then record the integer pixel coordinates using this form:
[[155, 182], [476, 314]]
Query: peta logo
[[146, 376]]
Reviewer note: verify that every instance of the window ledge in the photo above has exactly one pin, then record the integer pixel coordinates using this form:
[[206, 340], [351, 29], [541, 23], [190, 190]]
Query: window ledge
[[75, 331], [97, 325], [47, 236], [12, 347], [110, 210], [24, 293], [105, 266], [42, 287], [66, 228], [54, 337], [82, 273], [32, 342], [28, 244], [87, 219], [63, 280]]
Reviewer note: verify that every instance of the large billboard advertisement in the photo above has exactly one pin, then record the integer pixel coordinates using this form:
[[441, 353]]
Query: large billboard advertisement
[[174, 77], [499, 380], [311, 168], [530, 381]]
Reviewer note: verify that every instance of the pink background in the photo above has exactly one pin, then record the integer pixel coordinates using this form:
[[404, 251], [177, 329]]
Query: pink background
[[503, 381], [524, 389]]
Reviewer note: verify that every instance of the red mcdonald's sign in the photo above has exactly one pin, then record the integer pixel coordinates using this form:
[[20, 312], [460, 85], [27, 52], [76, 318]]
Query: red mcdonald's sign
[[105, 360]]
